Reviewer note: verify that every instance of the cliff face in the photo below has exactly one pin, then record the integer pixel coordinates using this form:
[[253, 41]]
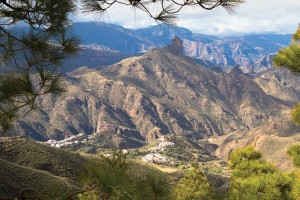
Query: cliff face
[[161, 92], [281, 83], [229, 52]]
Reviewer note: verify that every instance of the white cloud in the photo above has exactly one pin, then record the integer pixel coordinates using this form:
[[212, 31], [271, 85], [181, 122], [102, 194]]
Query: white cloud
[[254, 16]]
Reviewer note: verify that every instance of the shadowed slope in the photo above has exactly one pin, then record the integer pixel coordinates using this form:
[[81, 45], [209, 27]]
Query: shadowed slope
[[40, 170], [38, 156]]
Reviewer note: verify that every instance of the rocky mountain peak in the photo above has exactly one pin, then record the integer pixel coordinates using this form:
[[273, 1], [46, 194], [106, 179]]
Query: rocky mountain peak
[[236, 70], [176, 46]]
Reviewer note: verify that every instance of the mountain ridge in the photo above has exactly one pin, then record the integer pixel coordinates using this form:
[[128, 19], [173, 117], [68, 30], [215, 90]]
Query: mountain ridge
[[161, 92]]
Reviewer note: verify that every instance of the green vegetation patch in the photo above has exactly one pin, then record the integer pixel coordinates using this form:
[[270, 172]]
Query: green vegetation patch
[[294, 152], [255, 178]]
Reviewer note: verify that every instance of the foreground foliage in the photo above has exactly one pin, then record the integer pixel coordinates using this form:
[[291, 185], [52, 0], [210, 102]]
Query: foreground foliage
[[112, 178], [289, 58], [49, 173], [294, 152], [34, 39], [254, 178], [160, 10]]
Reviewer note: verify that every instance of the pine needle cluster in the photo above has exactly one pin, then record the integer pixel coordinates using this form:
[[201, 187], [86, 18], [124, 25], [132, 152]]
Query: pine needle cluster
[[34, 39], [254, 178]]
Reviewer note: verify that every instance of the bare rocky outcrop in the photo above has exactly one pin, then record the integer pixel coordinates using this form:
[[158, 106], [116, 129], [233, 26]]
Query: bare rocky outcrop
[[281, 83], [176, 46]]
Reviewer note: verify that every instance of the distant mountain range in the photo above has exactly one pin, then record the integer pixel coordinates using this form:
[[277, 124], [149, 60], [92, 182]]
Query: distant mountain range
[[113, 43]]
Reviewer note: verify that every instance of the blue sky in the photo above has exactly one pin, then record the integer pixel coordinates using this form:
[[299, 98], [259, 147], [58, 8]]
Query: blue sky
[[254, 16]]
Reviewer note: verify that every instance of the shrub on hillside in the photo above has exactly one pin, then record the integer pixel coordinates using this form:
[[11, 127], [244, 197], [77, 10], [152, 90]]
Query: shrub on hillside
[[294, 152], [193, 186], [113, 178], [254, 178]]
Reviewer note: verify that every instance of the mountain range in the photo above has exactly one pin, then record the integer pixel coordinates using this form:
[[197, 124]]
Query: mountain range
[[162, 92], [130, 98], [251, 52]]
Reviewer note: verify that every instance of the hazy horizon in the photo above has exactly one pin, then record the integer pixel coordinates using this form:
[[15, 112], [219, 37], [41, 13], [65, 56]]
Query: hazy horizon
[[252, 17], [224, 35]]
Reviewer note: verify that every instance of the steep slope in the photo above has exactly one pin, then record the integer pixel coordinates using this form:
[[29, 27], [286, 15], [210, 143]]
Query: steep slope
[[272, 139], [111, 36], [265, 63], [36, 184], [41, 171], [41, 157], [94, 57], [161, 92], [280, 83]]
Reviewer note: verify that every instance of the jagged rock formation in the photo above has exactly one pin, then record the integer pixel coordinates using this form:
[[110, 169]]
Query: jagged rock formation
[[236, 70], [176, 46], [159, 93], [264, 64], [281, 83]]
